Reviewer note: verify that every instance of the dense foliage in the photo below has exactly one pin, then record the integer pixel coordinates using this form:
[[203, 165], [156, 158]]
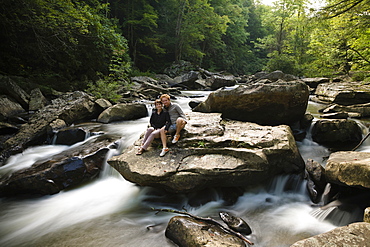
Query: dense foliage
[[59, 41], [74, 44]]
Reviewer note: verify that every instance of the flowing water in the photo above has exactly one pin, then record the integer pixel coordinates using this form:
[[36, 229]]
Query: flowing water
[[111, 211]]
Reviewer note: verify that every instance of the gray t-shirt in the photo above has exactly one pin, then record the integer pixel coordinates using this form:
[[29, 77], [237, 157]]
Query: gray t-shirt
[[175, 112]]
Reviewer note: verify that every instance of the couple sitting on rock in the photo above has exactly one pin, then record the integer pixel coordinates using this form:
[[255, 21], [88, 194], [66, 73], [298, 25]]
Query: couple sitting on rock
[[167, 117]]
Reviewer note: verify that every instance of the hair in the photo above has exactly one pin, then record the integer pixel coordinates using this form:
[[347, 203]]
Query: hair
[[157, 101], [165, 96]]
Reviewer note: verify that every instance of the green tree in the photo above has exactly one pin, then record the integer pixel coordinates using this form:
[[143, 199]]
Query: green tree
[[59, 42]]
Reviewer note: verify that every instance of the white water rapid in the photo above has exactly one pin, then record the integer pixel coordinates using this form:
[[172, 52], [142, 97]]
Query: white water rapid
[[111, 211]]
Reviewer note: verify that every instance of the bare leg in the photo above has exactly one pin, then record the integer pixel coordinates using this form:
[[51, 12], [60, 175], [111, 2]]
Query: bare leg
[[163, 138], [180, 124]]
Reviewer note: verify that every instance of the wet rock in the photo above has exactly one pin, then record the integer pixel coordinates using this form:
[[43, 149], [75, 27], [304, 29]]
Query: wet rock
[[356, 234], [186, 231], [123, 111], [71, 108], [349, 168], [266, 104], [316, 180], [61, 171], [70, 136], [337, 133], [235, 223], [343, 93], [211, 154]]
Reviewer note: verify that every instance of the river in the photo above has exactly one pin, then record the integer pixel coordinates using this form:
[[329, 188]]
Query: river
[[111, 211]]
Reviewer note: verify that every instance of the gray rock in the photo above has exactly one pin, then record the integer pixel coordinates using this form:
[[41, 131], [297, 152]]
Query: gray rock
[[266, 104], [37, 100], [212, 155], [103, 103], [123, 111], [219, 81], [356, 234], [186, 231]]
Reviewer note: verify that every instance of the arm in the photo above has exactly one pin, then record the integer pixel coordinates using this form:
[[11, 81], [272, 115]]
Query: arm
[[181, 113]]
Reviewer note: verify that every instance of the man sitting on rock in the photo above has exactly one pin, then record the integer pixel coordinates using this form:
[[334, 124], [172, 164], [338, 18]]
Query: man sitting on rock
[[177, 116]]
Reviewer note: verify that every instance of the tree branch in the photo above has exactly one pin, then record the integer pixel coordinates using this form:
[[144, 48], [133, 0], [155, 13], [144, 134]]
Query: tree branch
[[209, 220]]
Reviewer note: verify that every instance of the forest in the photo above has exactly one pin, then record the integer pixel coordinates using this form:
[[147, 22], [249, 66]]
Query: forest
[[81, 44]]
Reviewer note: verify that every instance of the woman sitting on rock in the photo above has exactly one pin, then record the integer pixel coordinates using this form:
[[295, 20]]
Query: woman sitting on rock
[[159, 124]]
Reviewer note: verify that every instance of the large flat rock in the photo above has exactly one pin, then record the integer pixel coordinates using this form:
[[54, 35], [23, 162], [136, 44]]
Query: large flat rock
[[349, 168], [214, 153]]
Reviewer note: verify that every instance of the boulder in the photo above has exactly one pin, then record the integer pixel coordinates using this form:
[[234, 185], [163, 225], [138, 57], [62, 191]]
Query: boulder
[[71, 107], [70, 136], [11, 88], [266, 104], [349, 168], [212, 153], [188, 80], [8, 107], [186, 231], [337, 133], [219, 81], [61, 171], [314, 82], [356, 234], [37, 100], [343, 93], [316, 180], [123, 111], [103, 104], [152, 91]]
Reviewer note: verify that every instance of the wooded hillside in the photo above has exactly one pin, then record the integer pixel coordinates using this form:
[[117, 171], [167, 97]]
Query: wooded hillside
[[70, 43]]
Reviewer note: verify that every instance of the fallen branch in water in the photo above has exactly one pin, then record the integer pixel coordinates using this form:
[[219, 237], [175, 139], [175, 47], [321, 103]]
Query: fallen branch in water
[[362, 141], [209, 220]]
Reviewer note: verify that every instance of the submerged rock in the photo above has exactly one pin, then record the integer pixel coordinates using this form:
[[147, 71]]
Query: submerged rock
[[214, 154]]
